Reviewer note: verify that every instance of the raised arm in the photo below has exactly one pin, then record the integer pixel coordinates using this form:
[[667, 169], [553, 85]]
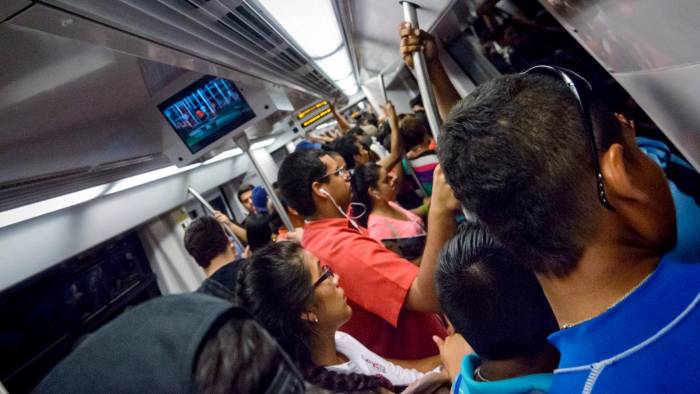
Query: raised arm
[[396, 146], [343, 124], [412, 40], [422, 295], [237, 230]]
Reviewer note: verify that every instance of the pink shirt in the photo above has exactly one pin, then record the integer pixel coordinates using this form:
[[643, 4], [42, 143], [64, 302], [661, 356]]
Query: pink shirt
[[382, 227]]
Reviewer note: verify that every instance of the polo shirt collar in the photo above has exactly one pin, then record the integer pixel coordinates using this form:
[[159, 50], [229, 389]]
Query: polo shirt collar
[[661, 298], [466, 384]]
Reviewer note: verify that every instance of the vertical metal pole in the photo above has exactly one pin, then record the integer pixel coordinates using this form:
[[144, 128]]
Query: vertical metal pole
[[380, 77], [419, 64], [243, 143]]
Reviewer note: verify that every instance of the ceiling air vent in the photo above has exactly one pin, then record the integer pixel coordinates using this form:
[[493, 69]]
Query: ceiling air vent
[[232, 33]]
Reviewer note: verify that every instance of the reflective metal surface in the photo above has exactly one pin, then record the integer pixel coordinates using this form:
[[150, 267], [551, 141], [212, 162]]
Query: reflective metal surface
[[650, 48], [7, 9], [233, 34], [633, 35], [58, 105]]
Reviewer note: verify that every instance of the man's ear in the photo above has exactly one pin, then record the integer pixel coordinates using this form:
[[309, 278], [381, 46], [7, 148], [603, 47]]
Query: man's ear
[[316, 189], [617, 171]]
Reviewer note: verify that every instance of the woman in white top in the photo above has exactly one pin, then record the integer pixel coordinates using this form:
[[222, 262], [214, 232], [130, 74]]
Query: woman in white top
[[300, 303]]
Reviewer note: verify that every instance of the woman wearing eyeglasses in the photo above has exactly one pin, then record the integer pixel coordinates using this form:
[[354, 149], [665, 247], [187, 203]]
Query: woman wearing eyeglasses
[[300, 303]]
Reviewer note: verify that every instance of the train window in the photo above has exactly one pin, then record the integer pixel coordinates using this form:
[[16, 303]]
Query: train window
[[219, 204], [279, 154], [48, 313]]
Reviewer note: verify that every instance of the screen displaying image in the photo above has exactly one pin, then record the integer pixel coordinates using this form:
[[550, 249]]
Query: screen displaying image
[[206, 111]]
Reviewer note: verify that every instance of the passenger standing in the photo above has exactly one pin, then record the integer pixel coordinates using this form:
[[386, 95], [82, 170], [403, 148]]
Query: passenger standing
[[563, 185], [301, 304], [421, 157], [206, 242], [245, 197], [376, 189], [394, 301], [500, 310]]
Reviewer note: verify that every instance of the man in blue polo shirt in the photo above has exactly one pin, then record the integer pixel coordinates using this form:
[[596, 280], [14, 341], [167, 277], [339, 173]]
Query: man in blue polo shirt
[[562, 184]]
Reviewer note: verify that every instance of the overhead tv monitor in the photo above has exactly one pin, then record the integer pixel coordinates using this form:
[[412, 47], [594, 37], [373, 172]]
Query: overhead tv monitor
[[205, 111], [197, 113]]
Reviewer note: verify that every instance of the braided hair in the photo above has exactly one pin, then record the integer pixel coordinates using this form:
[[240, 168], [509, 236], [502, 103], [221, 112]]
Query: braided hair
[[274, 286]]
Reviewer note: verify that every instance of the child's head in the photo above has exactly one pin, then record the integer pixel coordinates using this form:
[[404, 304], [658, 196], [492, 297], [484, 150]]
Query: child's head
[[495, 303]]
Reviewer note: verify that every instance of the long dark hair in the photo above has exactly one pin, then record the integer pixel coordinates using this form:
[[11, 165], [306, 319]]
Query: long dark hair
[[258, 231], [364, 177], [275, 287]]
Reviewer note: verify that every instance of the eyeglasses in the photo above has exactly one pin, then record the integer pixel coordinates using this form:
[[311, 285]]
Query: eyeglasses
[[326, 272], [342, 171], [580, 88]]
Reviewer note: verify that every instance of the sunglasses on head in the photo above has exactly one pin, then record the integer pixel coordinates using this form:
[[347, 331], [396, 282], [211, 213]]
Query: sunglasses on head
[[581, 89]]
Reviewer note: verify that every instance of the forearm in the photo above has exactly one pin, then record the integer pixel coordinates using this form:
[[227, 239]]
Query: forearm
[[422, 364], [343, 124], [238, 231], [389, 162], [396, 148], [442, 227], [446, 95]]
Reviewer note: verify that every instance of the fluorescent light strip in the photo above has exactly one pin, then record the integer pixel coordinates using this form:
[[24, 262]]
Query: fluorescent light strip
[[320, 39], [30, 211], [337, 65], [27, 212]]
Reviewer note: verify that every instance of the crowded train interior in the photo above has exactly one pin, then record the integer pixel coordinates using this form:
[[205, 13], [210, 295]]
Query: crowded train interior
[[349, 196]]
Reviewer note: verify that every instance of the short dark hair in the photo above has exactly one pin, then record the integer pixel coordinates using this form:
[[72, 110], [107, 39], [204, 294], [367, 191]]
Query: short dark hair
[[413, 131], [346, 147], [516, 153], [356, 130], [418, 100], [258, 230], [205, 239], [242, 189], [495, 303], [297, 173], [239, 356]]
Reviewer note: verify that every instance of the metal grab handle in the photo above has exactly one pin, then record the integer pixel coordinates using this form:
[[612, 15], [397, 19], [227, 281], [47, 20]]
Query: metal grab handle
[[211, 210], [243, 143], [426, 90], [382, 87]]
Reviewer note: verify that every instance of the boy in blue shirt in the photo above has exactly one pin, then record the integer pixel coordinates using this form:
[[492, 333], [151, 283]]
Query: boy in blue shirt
[[498, 307], [562, 184]]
